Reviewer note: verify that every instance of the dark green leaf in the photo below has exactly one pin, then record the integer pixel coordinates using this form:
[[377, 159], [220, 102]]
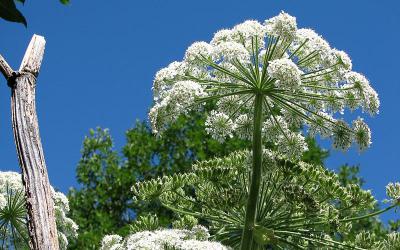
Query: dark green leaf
[[64, 1], [9, 12]]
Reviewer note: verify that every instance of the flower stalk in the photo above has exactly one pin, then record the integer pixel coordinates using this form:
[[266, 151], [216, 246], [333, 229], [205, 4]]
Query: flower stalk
[[251, 208]]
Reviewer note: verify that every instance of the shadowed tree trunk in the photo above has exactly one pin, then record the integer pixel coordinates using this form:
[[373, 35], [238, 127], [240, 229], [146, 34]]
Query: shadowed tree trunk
[[39, 201]]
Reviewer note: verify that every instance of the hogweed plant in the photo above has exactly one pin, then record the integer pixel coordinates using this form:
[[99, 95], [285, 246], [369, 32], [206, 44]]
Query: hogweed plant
[[266, 81], [300, 206]]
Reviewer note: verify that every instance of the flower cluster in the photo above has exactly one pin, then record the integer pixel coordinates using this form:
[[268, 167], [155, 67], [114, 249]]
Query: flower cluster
[[301, 204], [67, 228], [179, 239], [303, 81], [393, 192], [368, 240]]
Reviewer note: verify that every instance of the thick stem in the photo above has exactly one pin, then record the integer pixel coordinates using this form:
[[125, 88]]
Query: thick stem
[[247, 236]]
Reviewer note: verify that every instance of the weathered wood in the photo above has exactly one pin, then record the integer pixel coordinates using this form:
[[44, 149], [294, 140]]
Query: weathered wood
[[5, 69], [40, 205]]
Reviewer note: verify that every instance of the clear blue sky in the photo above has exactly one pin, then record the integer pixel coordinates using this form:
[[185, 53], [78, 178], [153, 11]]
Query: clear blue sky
[[101, 57]]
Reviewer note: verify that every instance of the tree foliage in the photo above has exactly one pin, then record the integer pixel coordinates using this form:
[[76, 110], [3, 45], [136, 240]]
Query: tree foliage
[[103, 204], [10, 12]]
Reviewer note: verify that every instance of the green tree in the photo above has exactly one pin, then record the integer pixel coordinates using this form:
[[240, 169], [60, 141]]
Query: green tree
[[103, 204]]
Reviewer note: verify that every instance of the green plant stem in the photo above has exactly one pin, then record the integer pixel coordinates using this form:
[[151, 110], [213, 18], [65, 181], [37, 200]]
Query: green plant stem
[[251, 207], [371, 214]]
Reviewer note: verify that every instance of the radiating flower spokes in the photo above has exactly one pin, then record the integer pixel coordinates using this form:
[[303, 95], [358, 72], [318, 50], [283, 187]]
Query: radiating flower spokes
[[274, 76], [253, 78], [298, 75]]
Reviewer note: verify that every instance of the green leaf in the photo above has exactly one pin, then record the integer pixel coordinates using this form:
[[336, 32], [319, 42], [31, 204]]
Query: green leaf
[[9, 12], [64, 1]]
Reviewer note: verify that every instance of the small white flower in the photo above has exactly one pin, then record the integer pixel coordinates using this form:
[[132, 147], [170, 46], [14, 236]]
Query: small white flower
[[292, 145], [343, 59], [322, 124], [61, 201], [244, 127], [282, 25], [221, 36], [199, 232], [164, 77], [392, 242], [62, 240], [229, 104], [342, 135], [292, 118], [362, 134], [230, 51], [245, 32], [219, 126], [176, 102], [195, 239], [367, 95], [334, 102], [286, 72], [393, 191], [351, 98], [111, 242], [273, 128], [314, 44], [196, 51]]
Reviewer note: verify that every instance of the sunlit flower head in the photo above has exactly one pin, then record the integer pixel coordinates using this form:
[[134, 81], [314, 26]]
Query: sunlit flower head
[[301, 79], [194, 239], [282, 25]]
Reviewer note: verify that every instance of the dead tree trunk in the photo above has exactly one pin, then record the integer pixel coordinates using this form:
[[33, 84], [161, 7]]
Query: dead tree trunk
[[39, 201]]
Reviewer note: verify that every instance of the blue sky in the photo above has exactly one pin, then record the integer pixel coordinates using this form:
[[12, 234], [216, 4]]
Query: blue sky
[[101, 57]]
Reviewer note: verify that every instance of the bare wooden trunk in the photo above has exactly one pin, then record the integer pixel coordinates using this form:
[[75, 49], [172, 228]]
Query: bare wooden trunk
[[41, 217]]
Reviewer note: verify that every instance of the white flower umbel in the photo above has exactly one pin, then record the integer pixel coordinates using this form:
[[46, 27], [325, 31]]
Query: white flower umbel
[[272, 70], [245, 32], [314, 52], [111, 242], [286, 73], [362, 134], [230, 51], [219, 125], [282, 25], [164, 77], [195, 239], [196, 49], [393, 191], [221, 36], [364, 92], [298, 74], [292, 145], [177, 101], [67, 228]]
